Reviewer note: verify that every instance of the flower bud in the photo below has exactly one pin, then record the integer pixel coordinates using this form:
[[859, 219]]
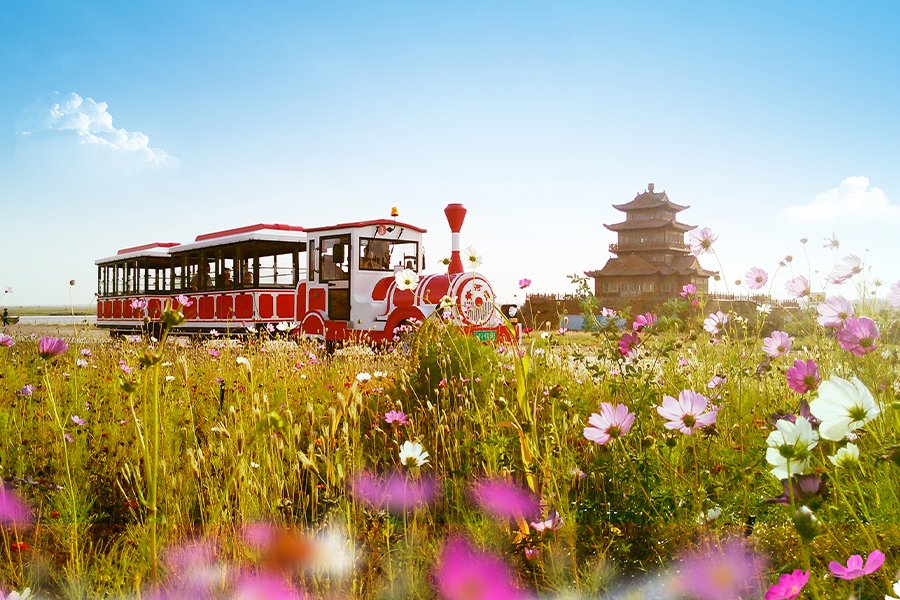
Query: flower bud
[[806, 524], [149, 357]]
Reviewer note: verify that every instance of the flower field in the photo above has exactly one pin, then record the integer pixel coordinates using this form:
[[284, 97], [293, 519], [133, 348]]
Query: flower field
[[707, 450]]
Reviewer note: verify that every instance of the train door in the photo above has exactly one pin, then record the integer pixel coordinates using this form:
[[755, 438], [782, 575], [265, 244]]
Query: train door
[[334, 269]]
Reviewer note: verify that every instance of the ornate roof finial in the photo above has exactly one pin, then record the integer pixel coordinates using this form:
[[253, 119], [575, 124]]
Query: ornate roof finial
[[650, 187]]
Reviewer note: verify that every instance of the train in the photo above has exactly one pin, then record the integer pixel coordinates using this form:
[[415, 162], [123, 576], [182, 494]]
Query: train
[[333, 283]]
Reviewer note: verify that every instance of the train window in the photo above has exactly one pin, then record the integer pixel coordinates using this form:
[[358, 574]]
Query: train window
[[383, 255], [334, 258]]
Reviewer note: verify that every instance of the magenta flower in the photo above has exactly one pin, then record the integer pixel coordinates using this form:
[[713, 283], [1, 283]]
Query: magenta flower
[[855, 566], [858, 335], [726, 574], [687, 413], [12, 510], [213, 352], [714, 324], [755, 279], [628, 343], [612, 422], [49, 347], [6, 341], [78, 420], [798, 287], [554, 522], [842, 273], [894, 295], [138, 304], [803, 376], [463, 573], [641, 322], [397, 493], [395, 416], [25, 391], [608, 313], [263, 586], [788, 586], [524, 283], [777, 344], [834, 312], [688, 290], [702, 241], [183, 300], [715, 381], [505, 500]]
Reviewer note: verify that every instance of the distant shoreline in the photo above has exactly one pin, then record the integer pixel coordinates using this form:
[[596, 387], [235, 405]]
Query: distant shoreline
[[49, 311]]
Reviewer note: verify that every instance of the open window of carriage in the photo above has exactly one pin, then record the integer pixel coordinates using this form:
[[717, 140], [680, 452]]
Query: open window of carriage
[[379, 254], [145, 270]]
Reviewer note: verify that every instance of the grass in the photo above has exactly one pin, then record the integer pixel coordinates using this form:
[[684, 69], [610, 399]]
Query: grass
[[203, 440]]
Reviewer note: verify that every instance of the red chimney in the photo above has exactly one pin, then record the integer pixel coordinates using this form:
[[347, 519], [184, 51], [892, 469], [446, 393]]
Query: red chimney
[[456, 214]]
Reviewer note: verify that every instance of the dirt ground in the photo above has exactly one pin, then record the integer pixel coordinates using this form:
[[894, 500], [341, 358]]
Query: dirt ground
[[66, 332]]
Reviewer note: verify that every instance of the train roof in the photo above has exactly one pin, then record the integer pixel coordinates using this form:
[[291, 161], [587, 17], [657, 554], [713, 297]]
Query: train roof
[[154, 250], [388, 222], [251, 233]]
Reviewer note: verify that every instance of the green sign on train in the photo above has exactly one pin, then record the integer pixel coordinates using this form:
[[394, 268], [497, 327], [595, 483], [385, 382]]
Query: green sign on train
[[486, 336]]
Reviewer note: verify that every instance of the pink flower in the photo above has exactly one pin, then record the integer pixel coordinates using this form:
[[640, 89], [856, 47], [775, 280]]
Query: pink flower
[[214, 332], [264, 586], [532, 553], [612, 422], [69, 438], [834, 312], [607, 312], [183, 300], [25, 391], [6, 341], [49, 347], [724, 574], [628, 343], [554, 522], [213, 352], [688, 290], [395, 416], [78, 420], [788, 586], [641, 322], [138, 304], [894, 295], [125, 368], [702, 241], [798, 287], [86, 352], [396, 493], [524, 283], [855, 566], [463, 573], [715, 322], [858, 335], [687, 413], [716, 381], [803, 376], [562, 331], [779, 343], [841, 273], [755, 279], [12, 509], [505, 500]]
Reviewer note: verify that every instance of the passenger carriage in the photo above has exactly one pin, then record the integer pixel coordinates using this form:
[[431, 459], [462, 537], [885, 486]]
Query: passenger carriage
[[332, 283]]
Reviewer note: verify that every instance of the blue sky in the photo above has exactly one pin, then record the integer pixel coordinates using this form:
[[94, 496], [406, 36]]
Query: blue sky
[[536, 116]]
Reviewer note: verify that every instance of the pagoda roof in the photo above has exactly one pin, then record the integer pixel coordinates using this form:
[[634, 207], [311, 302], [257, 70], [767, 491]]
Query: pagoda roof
[[650, 199], [634, 265], [649, 224]]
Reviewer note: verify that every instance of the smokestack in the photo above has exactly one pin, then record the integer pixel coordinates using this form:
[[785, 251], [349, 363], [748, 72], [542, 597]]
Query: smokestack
[[456, 214]]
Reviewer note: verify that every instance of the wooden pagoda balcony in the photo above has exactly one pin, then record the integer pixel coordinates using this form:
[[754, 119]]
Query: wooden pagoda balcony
[[615, 248]]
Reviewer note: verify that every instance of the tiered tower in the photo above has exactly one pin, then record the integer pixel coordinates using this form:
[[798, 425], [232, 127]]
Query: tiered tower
[[651, 262]]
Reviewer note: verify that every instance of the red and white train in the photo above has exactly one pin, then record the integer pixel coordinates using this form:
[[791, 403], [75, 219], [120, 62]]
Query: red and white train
[[332, 283]]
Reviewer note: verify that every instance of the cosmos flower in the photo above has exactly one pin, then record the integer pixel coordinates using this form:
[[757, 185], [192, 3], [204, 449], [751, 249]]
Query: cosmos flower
[[612, 422], [183, 300], [473, 259], [798, 287], [858, 335], [407, 279], [855, 567], [553, 522], [12, 509], [462, 573], [803, 376], [49, 347], [846, 457], [843, 406], [687, 413], [806, 489], [788, 586], [789, 447], [834, 312], [412, 454], [894, 295], [395, 416], [505, 500], [831, 243], [842, 273], [397, 493], [729, 573], [777, 344], [755, 279], [641, 322], [364, 377], [25, 391], [714, 324], [701, 241], [524, 283], [6, 341], [138, 304], [688, 290], [78, 420], [628, 343]]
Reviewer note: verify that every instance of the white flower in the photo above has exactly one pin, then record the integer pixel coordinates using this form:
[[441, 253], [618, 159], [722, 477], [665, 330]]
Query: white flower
[[789, 447], [843, 406], [710, 515], [24, 595], [407, 279], [446, 302], [242, 361], [412, 454], [363, 377], [255, 465], [283, 326], [846, 457], [472, 257], [896, 591], [379, 374], [764, 309], [170, 378], [715, 322]]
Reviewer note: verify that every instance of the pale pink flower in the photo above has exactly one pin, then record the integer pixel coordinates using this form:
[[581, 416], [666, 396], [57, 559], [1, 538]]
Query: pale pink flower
[[894, 295], [687, 413], [858, 335], [80, 362], [777, 344], [505, 500], [49, 347], [842, 273], [834, 312], [183, 300], [798, 287], [715, 322], [855, 567], [86, 352], [78, 420], [607, 312], [803, 376], [138, 304], [612, 422], [395, 416], [554, 522], [214, 332], [6, 341], [524, 283], [755, 279], [702, 241], [212, 352], [688, 290]]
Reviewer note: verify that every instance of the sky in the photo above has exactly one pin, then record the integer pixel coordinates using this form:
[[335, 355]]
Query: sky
[[128, 123]]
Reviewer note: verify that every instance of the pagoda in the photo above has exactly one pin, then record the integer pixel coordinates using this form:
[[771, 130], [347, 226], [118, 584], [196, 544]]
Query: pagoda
[[652, 262]]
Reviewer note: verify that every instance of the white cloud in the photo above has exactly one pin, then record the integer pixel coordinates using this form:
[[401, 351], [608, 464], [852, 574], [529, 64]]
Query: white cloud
[[852, 201], [67, 128]]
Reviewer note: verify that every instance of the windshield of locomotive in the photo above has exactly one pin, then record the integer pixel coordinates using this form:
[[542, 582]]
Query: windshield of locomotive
[[378, 254]]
